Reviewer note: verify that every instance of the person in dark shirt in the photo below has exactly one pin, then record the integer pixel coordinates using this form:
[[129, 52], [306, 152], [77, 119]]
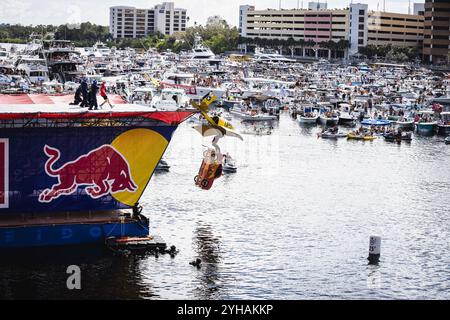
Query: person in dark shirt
[[93, 96], [84, 93]]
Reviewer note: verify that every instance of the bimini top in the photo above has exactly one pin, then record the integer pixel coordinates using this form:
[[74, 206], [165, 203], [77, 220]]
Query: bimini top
[[375, 122], [57, 107]]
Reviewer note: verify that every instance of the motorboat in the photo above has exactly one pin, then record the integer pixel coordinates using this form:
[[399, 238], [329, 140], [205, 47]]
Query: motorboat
[[170, 100], [447, 140], [258, 131], [375, 122], [405, 123], [332, 134], [162, 166], [426, 128], [229, 165], [345, 116], [444, 124], [35, 68], [267, 56], [398, 136], [200, 51], [253, 116], [329, 118], [308, 119], [102, 48]]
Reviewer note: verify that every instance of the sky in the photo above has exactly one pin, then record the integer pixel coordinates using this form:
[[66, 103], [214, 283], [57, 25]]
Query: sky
[[57, 12]]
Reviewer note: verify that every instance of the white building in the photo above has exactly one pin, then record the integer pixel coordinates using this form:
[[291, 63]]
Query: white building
[[419, 9], [358, 26], [243, 13], [130, 22], [317, 5]]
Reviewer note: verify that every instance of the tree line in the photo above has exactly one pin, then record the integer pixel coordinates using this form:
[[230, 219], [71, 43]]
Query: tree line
[[216, 34]]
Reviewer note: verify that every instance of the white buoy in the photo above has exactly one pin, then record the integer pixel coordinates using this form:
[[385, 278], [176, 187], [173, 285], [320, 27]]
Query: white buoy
[[374, 249]]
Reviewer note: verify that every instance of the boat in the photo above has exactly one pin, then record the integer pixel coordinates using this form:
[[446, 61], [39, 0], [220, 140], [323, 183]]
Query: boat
[[375, 122], [332, 134], [426, 124], [62, 60], [229, 165], [162, 166], [307, 116], [426, 128], [200, 51], [447, 140], [253, 116], [35, 68], [444, 124], [59, 185], [354, 136], [101, 48], [329, 118], [345, 116], [406, 124], [270, 56], [258, 131], [398, 136], [170, 100]]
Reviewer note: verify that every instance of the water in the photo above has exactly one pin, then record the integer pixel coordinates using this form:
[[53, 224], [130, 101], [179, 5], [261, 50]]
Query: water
[[293, 223]]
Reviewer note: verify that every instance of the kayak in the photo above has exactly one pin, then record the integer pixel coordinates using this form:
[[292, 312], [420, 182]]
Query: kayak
[[352, 136]]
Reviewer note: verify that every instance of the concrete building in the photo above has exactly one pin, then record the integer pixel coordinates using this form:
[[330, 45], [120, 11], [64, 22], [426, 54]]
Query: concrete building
[[318, 25], [358, 26], [130, 22], [419, 9], [396, 29], [436, 42], [355, 24]]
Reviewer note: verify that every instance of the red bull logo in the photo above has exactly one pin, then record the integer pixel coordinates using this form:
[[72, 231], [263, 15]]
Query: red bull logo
[[102, 171]]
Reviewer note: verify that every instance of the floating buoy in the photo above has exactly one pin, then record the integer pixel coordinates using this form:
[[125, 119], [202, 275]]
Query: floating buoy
[[374, 249]]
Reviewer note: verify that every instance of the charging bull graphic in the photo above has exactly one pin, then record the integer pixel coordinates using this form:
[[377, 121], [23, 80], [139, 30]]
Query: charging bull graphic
[[102, 171]]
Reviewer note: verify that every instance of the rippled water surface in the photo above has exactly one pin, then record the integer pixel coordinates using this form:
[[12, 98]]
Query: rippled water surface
[[293, 223]]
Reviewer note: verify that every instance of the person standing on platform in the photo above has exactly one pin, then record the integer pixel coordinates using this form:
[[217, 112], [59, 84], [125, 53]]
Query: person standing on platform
[[84, 93], [104, 96], [93, 96]]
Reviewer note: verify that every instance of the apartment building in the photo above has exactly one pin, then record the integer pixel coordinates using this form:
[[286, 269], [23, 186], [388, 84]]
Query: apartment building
[[436, 42], [396, 29], [358, 26], [131, 22]]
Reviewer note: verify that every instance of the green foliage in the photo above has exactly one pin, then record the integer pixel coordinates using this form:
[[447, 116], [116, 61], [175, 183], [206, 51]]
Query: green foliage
[[217, 34], [389, 52], [291, 42]]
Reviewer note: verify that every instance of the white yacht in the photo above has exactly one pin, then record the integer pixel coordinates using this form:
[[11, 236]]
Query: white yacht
[[3, 54], [101, 48], [200, 51], [262, 56], [170, 100], [35, 68]]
